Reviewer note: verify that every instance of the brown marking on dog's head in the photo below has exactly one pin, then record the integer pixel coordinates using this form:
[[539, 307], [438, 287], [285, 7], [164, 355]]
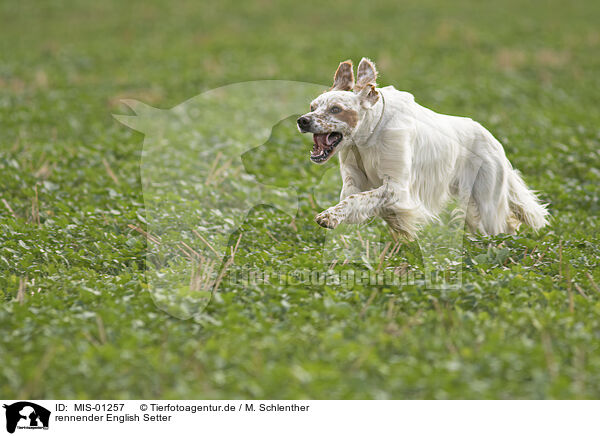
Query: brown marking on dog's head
[[369, 95], [366, 82], [343, 80], [366, 74], [348, 116]]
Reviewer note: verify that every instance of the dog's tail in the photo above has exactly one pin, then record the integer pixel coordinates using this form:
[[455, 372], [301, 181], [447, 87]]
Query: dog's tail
[[524, 202]]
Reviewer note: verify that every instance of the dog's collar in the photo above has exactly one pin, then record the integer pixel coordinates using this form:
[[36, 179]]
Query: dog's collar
[[355, 151], [380, 116], [354, 147], [368, 138]]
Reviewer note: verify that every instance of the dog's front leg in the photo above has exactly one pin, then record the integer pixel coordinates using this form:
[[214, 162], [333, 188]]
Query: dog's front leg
[[354, 179], [349, 188], [358, 207], [354, 182], [391, 198]]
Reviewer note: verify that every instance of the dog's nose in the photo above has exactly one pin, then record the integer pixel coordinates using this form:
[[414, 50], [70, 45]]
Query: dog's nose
[[303, 122]]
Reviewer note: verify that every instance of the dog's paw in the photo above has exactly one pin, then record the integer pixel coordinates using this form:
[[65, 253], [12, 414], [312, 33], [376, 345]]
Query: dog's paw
[[329, 218]]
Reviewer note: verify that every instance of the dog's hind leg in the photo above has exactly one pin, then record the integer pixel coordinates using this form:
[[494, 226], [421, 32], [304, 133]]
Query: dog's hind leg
[[503, 201], [463, 188], [472, 218], [490, 198]]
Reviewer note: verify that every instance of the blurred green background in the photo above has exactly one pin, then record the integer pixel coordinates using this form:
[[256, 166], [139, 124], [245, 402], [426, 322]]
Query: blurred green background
[[76, 320]]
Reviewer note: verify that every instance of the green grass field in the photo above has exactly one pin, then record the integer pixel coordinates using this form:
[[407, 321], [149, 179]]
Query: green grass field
[[77, 319]]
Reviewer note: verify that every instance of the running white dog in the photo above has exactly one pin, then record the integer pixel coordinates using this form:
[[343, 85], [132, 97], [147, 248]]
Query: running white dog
[[402, 161]]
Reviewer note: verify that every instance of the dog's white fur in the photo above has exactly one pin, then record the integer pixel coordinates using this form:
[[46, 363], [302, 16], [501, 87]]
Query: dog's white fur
[[402, 162]]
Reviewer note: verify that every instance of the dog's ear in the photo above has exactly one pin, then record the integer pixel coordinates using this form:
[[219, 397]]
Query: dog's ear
[[343, 80], [366, 74], [368, 95]]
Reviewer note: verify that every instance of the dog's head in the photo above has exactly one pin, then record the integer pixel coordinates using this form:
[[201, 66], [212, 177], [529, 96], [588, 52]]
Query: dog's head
[[336, 115]]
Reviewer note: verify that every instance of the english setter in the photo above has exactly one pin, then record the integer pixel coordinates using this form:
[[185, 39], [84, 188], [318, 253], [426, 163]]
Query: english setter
[[402, 162]]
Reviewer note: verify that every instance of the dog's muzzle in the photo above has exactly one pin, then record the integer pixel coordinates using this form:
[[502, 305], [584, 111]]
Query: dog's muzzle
[[324, 144]]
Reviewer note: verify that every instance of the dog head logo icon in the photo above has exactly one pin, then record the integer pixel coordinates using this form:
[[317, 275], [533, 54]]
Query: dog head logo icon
[[26, 415]]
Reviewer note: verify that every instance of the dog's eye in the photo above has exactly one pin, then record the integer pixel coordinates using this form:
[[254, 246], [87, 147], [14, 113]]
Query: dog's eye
[[335, 110], [313, 108]]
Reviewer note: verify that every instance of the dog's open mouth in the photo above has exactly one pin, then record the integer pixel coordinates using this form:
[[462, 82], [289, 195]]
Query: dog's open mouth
[[324, 144]]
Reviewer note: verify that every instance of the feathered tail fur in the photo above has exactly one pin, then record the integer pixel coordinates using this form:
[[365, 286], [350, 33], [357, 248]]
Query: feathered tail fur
[[524, 203]]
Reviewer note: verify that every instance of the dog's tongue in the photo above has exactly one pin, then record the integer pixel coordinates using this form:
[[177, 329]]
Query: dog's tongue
[[323, 139]]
